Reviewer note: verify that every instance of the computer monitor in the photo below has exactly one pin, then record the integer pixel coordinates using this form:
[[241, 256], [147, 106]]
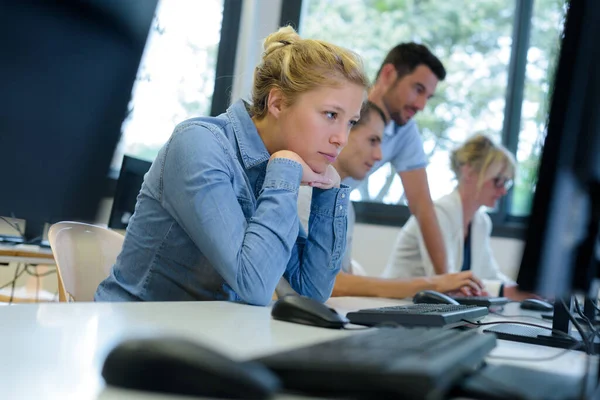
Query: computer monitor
[[559, 255], [561, 248], [65, 82], [129, 184]]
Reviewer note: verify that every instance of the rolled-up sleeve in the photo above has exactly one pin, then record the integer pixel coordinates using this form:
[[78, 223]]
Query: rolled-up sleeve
[[317, 259]]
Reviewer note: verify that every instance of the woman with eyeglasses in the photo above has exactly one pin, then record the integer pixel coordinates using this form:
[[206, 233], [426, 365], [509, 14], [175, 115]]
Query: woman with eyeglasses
[[484, 171]]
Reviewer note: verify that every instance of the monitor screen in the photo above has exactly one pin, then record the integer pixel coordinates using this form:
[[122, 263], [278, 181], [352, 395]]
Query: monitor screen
[[65, 84], [561, 248]]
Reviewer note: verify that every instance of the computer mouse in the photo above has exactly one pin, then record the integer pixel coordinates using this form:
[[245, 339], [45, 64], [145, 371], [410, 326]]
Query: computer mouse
[[180, 366], [432, 297], [304, 310], [536, 305]]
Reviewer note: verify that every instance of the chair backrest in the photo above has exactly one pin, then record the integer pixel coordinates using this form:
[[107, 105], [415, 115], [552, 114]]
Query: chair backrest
[[84, 255]]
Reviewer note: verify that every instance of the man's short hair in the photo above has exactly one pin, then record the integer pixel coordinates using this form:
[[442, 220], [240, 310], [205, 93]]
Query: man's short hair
[[365, 114], [405, 57]]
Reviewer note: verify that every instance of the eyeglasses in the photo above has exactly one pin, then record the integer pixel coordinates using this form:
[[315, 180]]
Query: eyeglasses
[[503, 182]]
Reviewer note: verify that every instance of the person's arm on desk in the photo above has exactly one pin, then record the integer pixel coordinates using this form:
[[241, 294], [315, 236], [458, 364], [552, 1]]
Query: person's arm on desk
[[421, 206], [365, 286]]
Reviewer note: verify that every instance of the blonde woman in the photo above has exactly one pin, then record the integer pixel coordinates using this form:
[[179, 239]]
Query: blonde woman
[[484, 171], [217, 219]]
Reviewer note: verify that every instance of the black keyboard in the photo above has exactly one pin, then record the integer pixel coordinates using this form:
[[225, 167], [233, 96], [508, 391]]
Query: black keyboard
[[407, 363], [434, 315], [482, 301]]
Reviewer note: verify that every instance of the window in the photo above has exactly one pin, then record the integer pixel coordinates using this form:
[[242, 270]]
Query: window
[[544, 45], [176, 76], [474, 41]]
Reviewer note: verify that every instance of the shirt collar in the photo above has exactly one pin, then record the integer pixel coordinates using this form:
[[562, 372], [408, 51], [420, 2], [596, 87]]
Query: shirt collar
[[252, 148], [390, 129]]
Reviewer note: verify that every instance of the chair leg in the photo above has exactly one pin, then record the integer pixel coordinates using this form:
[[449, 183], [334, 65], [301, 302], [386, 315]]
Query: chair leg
[[62, 292]]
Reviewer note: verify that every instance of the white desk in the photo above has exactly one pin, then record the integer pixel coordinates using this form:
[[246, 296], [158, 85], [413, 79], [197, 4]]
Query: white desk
[[56, 350]]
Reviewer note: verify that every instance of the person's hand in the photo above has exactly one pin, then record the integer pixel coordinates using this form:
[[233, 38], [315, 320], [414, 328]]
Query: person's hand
[[464, 283], [513, 293], [330, 178]]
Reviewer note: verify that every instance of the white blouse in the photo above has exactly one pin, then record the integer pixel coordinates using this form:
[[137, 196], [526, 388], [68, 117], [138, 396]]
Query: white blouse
[[410, 258]]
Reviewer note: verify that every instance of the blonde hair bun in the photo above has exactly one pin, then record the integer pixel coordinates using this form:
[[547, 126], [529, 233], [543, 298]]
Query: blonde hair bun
[[294, 66], [283, 37]]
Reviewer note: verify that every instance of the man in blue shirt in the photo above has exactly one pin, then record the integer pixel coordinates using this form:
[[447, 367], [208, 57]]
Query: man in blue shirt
[[407, 79]]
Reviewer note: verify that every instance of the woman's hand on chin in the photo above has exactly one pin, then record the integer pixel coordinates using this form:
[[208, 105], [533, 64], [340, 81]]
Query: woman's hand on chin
[[327, 180]]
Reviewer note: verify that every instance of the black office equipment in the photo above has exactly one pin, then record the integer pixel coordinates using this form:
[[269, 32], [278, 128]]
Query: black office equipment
[[482, 301], [65, 84], [128, 187], [536, 305], [595, 321], [178, 366], [432, 315], [406, 363], [304, 310], [509, 382], [432, 297], [562, 243]]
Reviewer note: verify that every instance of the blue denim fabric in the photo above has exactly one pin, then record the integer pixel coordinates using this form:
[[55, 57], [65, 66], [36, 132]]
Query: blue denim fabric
[[214, 220]]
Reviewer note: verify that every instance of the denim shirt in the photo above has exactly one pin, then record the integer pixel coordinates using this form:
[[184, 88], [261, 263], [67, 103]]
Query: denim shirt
[[215, 220]]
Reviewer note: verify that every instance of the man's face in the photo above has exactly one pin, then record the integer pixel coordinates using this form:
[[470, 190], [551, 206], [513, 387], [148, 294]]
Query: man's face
[[409, 94], [363, 148]]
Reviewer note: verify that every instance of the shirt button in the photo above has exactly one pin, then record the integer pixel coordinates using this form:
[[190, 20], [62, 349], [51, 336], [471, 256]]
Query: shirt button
[[343, 195], [341, 208]]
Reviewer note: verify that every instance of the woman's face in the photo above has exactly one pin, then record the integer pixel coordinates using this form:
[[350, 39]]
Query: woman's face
[[495, 185], [317, 124]]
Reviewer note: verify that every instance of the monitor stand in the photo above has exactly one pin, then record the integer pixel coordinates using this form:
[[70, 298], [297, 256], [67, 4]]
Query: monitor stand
[[544, 337]]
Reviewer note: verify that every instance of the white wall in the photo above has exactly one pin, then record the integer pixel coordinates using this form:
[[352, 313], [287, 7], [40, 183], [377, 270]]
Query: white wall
[[372, 245]]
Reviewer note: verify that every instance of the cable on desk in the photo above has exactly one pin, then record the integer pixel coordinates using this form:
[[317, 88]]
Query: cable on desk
[[584, 317], [555, 331], [592, 338], [585, 339]]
